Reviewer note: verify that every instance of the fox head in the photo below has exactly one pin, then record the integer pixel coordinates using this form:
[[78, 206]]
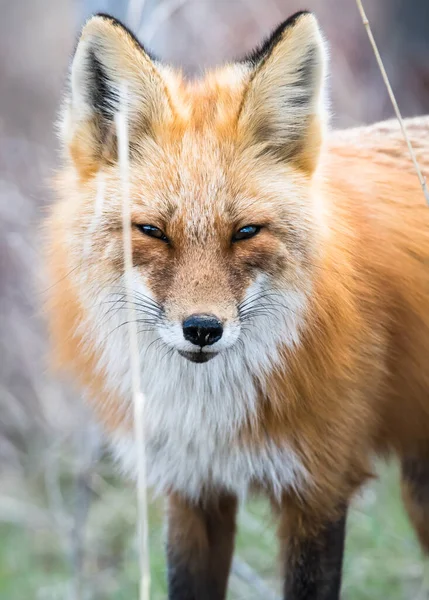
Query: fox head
[[224, 215]]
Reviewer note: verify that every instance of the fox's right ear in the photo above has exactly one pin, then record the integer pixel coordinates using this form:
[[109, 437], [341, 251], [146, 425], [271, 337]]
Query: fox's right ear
[[109, 59], [283, 108]]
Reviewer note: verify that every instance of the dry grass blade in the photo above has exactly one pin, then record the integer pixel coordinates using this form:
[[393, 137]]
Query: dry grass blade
[[244, 572], [138, 398], [367, 26], [160, 15], [135, 12]]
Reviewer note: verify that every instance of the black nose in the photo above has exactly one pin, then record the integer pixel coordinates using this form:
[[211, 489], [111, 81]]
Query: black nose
[[202, 330]]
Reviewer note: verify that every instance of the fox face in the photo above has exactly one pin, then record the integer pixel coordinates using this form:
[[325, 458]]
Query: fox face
[[223, 212]]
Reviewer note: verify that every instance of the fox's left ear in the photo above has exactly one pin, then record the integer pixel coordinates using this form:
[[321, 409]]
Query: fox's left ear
[[282, 111], [108, 60]]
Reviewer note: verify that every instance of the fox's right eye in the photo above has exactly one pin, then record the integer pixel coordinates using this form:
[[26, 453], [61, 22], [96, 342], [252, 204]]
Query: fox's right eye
[[153, 231]]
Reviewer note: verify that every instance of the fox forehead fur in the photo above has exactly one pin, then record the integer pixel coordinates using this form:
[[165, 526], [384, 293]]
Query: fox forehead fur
[[308, 315]]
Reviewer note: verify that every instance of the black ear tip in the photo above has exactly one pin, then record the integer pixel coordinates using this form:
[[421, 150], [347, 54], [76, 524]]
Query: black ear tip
[[108, 17], [120, 25], [266, 47], [117, 23], [294, 18], [113, 20]]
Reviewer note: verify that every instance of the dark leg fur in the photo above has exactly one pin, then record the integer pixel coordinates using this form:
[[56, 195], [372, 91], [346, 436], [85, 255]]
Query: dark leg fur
[[200, 547], [313, 561], [415, 492]]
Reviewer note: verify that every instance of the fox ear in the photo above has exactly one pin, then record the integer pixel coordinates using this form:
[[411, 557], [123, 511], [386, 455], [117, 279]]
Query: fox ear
[[282, 110], [108, 59]]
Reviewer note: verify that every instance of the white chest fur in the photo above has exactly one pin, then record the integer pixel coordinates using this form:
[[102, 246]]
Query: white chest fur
[[193, 416], [194, 412], [190, 466]]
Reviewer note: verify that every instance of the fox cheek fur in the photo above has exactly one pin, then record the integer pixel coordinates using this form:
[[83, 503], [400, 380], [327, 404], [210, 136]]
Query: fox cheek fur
[[290, 262]]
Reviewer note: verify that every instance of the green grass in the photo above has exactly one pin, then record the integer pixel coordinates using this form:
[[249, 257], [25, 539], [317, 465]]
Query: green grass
[[382, 559]]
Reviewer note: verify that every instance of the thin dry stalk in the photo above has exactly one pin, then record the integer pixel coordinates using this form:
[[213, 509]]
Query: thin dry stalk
[[135, 13], [88, 450], [245, 573], [160, 15], [121, 122], [367, 26]]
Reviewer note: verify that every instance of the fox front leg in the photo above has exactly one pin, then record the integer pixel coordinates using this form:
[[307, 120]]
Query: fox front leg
[[312, 557], [199, 547]]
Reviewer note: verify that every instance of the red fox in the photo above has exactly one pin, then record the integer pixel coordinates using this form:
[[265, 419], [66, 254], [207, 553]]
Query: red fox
[[281, 285]]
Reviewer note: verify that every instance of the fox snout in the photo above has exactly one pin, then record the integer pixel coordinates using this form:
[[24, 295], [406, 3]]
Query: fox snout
[[202, 330], [200, 335]]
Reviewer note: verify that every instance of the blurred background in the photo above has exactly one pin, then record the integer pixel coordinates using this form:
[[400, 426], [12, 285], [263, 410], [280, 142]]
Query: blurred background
[[66, 518]]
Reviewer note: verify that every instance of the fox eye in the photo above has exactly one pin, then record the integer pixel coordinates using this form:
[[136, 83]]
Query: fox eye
[[153, 231], [246, 232]]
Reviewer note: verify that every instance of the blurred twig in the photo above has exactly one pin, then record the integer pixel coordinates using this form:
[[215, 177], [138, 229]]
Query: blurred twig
[[244, 572], [135, 13], [88, 447], [13, 510], [62, 519], [367, 26], [160, 15], [121, 121]]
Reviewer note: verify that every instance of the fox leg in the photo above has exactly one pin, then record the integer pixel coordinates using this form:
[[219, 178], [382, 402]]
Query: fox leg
[[312, 555], [415, 493], [200, 546]]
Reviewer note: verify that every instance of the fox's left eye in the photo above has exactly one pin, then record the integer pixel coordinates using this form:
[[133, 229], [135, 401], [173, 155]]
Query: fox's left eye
[[153, 231], [246, 232]]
